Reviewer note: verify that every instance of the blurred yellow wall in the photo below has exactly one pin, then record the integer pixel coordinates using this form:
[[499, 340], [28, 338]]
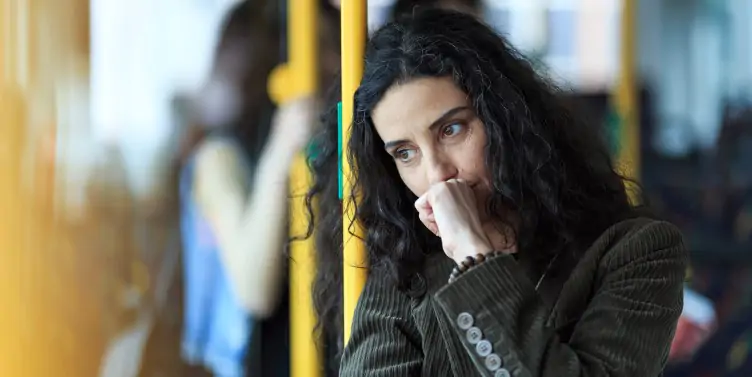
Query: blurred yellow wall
[[51, 325]]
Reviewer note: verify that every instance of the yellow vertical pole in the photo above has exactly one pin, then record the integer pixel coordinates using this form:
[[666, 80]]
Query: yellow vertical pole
[[626, 100], [14, 342], [296, 78], [354, 32]]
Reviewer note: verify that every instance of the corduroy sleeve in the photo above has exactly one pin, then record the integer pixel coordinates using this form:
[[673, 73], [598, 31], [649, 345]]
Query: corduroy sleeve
[[625, 331], [384, 341]]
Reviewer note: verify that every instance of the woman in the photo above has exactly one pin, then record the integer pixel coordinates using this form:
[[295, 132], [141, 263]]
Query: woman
[[500, 239], [327, 290], [234, 193], [233, 185]]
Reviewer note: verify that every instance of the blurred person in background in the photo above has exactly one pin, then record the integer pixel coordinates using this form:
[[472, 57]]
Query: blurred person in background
[[327, 289], [234, 191]]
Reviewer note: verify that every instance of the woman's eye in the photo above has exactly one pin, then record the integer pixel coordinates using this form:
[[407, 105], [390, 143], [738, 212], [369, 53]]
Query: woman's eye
[[404, 155], [452, 129]]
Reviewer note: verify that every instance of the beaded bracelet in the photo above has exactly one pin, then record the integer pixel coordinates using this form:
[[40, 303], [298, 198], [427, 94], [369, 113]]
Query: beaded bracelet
[[471, 262]]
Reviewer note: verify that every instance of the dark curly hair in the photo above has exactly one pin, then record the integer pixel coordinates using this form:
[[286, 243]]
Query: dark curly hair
[[326, 227], [548, 166]]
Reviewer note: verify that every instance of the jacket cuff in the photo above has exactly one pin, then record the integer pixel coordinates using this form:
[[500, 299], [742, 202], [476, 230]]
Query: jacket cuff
[[486, 304]]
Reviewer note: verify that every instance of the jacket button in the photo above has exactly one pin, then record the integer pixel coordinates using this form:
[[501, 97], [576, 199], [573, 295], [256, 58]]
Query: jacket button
[[502, 373], [483, 348], [465, 321], [474, 335], [493, 362]]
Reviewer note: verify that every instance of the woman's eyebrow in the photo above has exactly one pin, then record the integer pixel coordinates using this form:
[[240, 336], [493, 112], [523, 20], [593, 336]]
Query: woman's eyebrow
[[436, 123]]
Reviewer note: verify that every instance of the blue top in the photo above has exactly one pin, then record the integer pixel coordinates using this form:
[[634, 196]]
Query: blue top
[[216, 328], [218, 333]]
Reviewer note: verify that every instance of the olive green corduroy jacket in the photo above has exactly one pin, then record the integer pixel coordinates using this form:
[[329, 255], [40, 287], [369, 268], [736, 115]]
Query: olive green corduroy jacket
[[612, 312]]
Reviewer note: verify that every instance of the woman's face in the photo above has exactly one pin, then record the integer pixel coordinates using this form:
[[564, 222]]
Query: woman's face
[[220, 100], [432, 133]]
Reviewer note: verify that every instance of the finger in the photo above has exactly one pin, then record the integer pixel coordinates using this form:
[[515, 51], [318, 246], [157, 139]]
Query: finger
[[428, 217], [429, 223], [461, 187], [423, 205], [461, 184]]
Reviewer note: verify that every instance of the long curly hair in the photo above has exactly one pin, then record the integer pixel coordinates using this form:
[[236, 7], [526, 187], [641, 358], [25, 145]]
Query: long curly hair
[[325, 212], [548, 167]]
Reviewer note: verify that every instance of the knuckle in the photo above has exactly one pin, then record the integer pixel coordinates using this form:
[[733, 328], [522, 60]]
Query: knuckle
[[441, 188]]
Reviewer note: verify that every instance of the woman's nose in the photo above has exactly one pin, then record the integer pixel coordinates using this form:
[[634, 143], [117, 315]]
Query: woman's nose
[[440, 170]]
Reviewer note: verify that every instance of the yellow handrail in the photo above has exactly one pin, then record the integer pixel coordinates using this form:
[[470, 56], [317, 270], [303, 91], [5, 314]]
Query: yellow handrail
[[354, 28], [626, 98], [299, 78]]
